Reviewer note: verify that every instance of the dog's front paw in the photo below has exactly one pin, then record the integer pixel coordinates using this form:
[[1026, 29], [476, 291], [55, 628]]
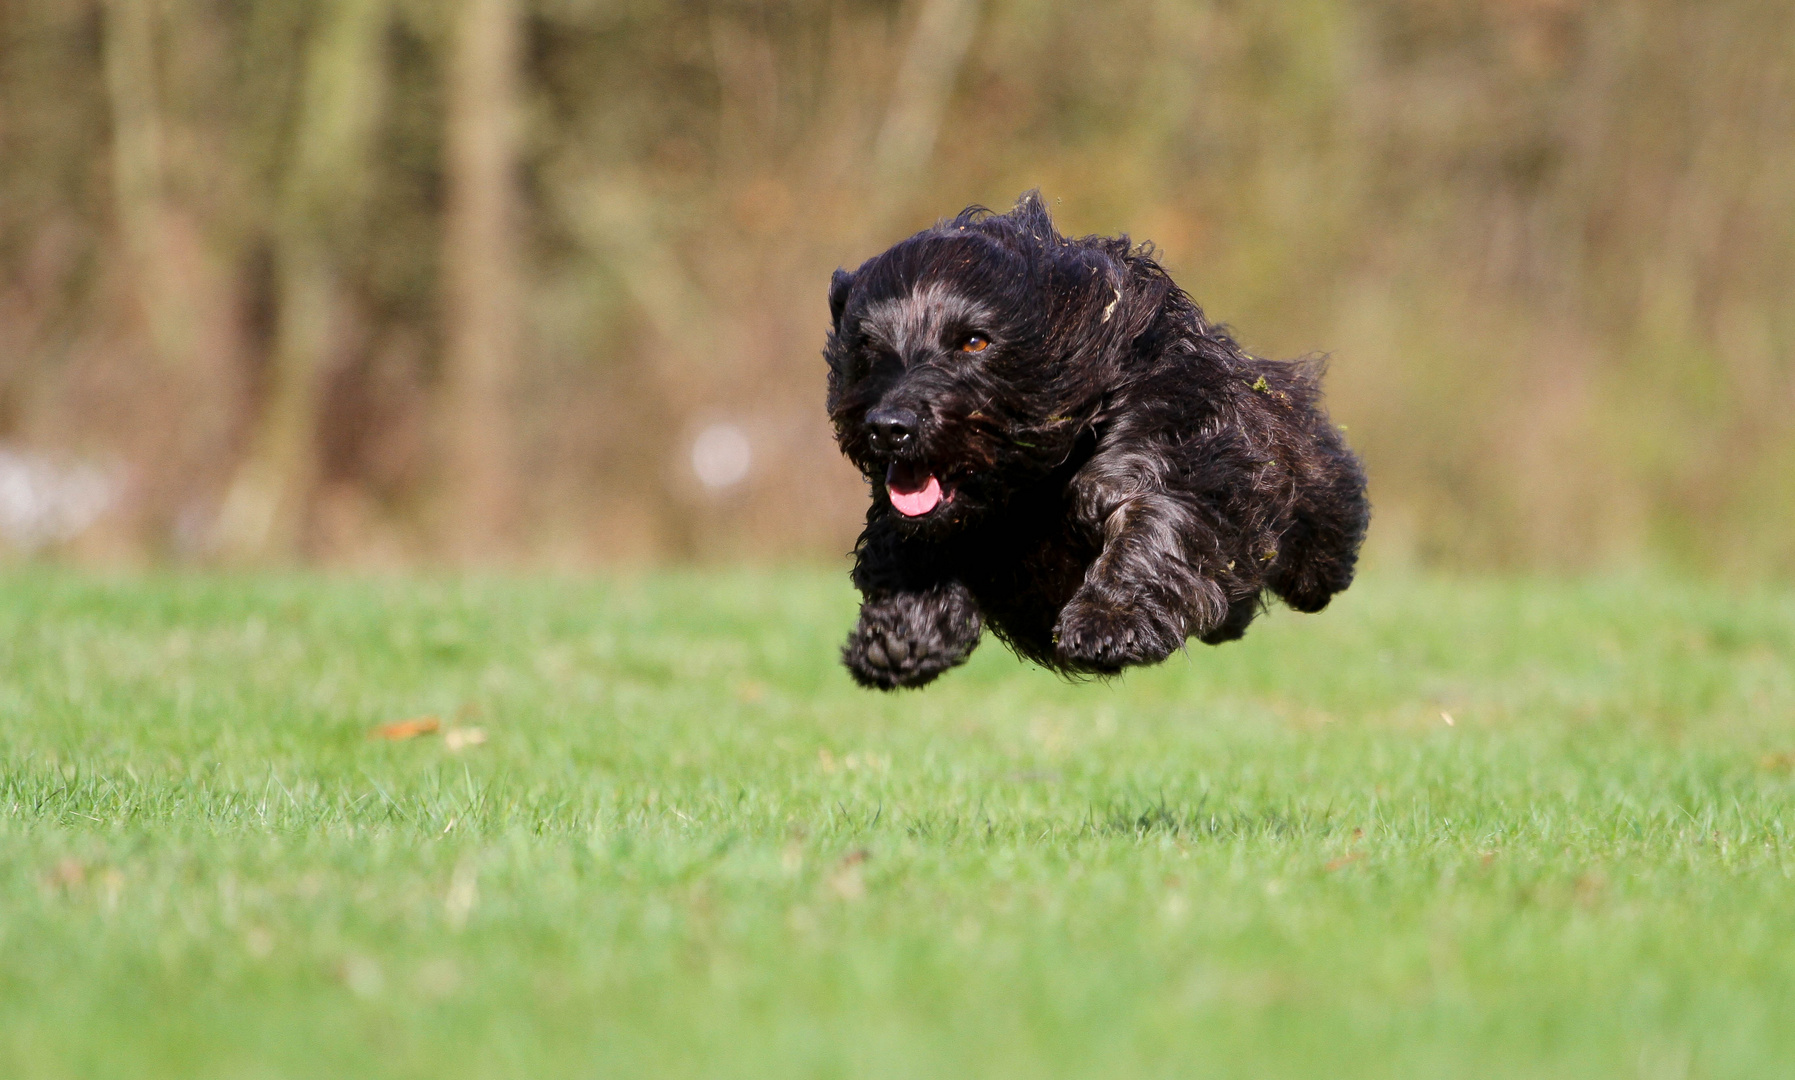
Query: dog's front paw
[[1103, 636], [909, 639]]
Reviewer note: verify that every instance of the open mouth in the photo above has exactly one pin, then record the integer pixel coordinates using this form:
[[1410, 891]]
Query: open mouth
[[913, 489]]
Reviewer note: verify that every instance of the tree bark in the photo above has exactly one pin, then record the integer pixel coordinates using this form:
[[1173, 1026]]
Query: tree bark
[[265, 510], [482, 290], [138, 197]]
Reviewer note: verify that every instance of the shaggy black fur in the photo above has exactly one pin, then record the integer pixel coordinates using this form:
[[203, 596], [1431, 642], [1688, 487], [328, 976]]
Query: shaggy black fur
[[1087, 465]]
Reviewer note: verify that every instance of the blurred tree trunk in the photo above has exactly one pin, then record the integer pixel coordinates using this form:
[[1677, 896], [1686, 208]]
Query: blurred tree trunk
[[138, 176], [264, 513], [481, 276], [922, 90]]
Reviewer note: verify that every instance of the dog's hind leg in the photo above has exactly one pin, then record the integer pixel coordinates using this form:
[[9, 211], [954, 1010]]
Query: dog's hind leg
[[908, 638], [1241, 614], [1320, 549]]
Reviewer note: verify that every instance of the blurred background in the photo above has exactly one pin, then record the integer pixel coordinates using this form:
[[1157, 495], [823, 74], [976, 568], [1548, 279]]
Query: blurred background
[[541, 282]]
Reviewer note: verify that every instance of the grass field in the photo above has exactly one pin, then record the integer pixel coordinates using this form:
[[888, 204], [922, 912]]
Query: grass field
[[688, 846]]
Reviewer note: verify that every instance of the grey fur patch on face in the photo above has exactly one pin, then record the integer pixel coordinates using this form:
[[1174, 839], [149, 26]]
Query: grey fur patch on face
[[916, 325]]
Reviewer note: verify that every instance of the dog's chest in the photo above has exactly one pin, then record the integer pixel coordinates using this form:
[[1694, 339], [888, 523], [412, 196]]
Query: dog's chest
[[1022, 570]]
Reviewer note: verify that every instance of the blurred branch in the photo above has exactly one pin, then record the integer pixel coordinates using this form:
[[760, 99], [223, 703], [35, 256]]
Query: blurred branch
[[482, 289], [925, 83], [617, 219]]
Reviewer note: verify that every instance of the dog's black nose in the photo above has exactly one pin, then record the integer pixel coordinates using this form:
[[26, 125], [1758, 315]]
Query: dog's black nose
[[893, 430]]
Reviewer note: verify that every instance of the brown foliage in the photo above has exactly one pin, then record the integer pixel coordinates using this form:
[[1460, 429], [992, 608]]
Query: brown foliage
[[1550, 245]]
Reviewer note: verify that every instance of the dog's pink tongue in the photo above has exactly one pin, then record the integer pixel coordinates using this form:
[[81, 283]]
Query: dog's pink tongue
[[911, 494]]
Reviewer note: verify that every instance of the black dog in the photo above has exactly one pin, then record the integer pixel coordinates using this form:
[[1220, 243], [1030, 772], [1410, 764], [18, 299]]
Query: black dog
[[1063, 448]]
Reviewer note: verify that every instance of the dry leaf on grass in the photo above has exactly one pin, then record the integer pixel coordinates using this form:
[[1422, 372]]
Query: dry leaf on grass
[[846, 882], [259, 942], [1344, 861], [791, 860], [68, 874], [406, 729], [460, 738], [362, 975]]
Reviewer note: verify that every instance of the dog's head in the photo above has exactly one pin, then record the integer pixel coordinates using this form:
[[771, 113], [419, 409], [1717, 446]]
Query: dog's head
[[966, 361]]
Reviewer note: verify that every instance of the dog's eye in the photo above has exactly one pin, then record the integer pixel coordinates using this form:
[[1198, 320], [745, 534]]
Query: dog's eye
[[975, 343]]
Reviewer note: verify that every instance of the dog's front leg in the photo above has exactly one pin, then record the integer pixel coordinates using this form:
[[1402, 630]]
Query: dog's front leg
[[1142, 596], [907, 638], [916, 620]]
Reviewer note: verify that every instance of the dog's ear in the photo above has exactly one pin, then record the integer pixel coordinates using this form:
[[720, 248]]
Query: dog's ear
[[1133, 305], [839, 284]]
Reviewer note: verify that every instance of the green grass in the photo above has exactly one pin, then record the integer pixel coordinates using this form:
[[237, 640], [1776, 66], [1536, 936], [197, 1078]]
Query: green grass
[[691, 847]]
